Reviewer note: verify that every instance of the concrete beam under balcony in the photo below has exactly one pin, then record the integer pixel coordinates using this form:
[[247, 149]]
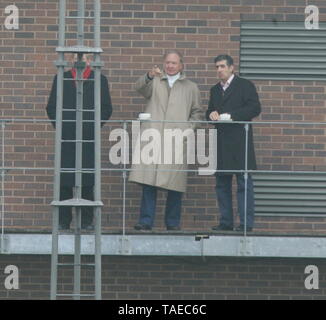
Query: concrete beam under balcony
[[172, 245]]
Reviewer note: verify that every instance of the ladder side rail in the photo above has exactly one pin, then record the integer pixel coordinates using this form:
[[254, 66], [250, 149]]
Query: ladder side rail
[[57, 155], [79, 147], [97, 132], [78, 175]]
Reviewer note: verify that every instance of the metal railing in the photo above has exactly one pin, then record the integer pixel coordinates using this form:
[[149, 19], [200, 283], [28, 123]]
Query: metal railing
[[124, 167]]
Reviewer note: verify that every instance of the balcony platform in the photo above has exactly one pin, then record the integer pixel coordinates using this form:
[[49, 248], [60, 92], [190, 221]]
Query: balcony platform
[[172, 243]]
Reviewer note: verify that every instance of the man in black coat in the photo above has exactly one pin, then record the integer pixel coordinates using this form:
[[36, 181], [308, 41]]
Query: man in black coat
[[68, 149], [233, 98]]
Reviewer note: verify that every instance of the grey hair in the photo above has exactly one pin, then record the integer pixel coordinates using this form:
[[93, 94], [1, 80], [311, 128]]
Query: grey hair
[[173, 51]]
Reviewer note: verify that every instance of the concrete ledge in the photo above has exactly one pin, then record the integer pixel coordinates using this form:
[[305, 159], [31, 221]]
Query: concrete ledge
[[172, 245]]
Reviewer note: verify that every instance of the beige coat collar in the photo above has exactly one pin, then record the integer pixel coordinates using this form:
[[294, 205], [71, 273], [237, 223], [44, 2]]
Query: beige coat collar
[[165, 77]]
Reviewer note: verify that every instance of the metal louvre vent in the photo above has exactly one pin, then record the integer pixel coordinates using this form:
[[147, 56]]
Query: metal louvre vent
[[282, 51], [290, 194]]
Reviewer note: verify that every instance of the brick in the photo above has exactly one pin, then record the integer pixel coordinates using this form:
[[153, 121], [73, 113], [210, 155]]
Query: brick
[[121, 14], [192, 23], [141, 44], [186, 30], [198, 8], [144, 15], [220, 8], [252, 2], [175, 8], [314, 146], [24, 35], [143, 29], [230, 2], [123, 44], [165, 15], [132, 7]]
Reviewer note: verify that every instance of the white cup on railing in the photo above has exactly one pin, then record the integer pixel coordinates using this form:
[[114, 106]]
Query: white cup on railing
[[144, 116], [225, 117]]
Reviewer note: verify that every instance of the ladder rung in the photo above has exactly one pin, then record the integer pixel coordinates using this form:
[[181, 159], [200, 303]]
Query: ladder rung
[[78, 17], [77, 171], [77, 203], [84, 121], [83, 110], [78, 141], [72, 79], [74, 295], [79, 49], [77, 264]]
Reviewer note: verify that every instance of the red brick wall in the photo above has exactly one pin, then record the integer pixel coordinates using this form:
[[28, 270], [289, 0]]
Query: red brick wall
[[173, 278], [134, 37]]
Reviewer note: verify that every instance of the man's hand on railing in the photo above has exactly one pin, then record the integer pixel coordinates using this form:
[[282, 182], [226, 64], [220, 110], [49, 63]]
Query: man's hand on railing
[[214, 116]]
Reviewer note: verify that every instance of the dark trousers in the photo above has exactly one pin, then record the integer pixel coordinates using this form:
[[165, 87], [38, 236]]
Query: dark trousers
[[224, 198], [148, 207], [65, 213]]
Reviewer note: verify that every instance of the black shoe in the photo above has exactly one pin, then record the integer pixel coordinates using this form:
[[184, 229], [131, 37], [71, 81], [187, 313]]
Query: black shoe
[[88, 227], [173, 228], [222, 227], [241, 228], [140, 226], [64, 226]]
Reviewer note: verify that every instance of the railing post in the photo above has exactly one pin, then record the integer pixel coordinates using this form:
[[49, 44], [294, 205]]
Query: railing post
[[124, 175], [3, 125], [246, 180]]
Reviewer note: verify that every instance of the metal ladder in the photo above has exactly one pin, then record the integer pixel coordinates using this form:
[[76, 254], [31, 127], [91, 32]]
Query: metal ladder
[[77, 202]]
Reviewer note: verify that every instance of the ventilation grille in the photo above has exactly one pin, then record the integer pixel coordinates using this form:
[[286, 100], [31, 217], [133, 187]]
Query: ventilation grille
[[290, 194], [282, 51]]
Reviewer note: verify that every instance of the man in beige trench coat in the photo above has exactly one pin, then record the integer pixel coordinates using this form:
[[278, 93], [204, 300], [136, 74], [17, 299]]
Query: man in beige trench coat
[[170, 97]]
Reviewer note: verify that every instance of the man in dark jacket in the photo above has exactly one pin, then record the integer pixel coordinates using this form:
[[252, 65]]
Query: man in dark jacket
[[68, 149], [233, 98]]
